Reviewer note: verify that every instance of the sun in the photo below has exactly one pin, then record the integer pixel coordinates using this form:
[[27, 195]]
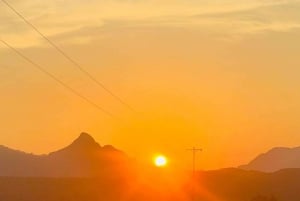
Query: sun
[[160, 161]]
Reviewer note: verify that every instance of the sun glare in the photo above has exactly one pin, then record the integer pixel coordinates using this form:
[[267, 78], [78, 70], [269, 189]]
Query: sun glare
[[160, 161]]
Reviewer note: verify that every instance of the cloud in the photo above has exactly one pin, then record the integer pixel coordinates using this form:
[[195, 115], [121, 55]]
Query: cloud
[[81, 21], [279, 17]]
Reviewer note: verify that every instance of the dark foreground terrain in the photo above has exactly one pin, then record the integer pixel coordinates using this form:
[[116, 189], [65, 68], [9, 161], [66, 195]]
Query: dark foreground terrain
[[241, 185], [221, 185], [87, 171]]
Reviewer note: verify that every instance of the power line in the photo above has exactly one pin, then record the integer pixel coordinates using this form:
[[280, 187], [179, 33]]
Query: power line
[[57, 79], [64, 54]]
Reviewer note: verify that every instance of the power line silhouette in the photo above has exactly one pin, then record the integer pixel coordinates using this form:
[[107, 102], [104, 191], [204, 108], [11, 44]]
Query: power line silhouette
[[70, 59], [39, 67]]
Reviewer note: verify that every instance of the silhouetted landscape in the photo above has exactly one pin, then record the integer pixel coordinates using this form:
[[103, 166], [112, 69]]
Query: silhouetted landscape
[[180, 100], [82, 158], [86, 171]]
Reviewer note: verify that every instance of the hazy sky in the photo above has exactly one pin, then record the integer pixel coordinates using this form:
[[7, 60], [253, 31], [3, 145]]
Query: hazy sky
[[221, 75]]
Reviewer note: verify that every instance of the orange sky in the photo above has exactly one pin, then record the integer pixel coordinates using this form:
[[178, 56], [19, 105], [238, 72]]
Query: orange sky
[[223, 76]]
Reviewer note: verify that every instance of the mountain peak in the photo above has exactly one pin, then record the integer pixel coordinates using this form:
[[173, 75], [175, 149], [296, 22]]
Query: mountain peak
[[84, 143], [85, 140], [85, 137]]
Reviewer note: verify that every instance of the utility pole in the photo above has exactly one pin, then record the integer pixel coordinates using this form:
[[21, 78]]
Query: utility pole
[[194, 150]]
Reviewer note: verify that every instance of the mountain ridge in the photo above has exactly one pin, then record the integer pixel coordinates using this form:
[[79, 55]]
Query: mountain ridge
[[84, 157], [275, 159]]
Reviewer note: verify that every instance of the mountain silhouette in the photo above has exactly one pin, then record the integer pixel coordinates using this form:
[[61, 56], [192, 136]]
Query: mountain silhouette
[[84, 144], [84, 157], [276, 159]]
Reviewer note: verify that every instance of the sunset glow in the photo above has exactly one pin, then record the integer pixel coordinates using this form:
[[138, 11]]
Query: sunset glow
[[115, 100], [207, 73]]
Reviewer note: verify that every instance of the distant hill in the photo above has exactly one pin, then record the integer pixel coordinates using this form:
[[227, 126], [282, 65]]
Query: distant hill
[[82, 158], [275, 159]]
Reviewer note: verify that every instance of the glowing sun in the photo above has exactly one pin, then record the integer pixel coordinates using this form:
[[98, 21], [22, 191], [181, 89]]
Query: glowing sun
[[160, 161]]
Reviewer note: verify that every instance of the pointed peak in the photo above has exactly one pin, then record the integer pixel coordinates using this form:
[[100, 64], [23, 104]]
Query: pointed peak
[[85, 136], [85, 139], [82, 144]]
